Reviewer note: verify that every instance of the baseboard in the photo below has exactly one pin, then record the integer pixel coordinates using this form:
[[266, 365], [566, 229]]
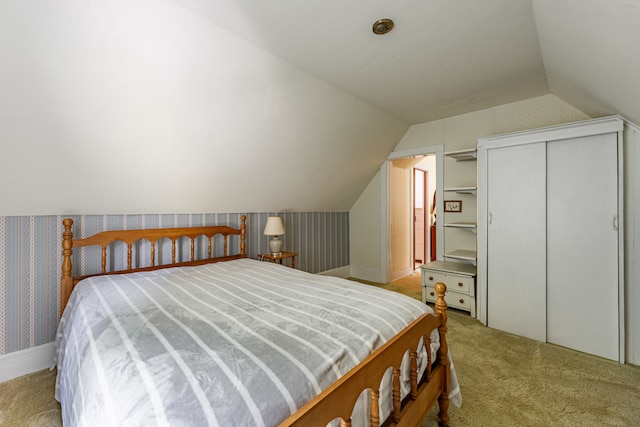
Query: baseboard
[[343, 272], [401, 273], [368, 275], [23, 362]]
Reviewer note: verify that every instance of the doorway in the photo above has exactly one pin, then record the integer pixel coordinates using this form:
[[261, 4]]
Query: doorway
[[411, 213], [388, 236], [424, 218]]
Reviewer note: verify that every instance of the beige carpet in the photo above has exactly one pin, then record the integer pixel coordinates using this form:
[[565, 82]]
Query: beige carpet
[[506, 380], [29, 401]]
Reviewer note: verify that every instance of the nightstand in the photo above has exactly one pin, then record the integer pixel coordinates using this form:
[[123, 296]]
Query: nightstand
[[279, 257]]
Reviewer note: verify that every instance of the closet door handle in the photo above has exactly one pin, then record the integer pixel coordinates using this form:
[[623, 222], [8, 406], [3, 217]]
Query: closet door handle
[[615, 222], [490, 218]]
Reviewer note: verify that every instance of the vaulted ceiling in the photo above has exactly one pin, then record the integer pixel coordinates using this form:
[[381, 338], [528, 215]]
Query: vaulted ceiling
[[156, 106], [445, 58]]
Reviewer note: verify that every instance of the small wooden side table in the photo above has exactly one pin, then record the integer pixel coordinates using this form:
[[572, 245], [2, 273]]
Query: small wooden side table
[[279, 257]]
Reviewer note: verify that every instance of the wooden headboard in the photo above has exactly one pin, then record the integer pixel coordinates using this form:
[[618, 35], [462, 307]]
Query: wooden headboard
[[150, 237]]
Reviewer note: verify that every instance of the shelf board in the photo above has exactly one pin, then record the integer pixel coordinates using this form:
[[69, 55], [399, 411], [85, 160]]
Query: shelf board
[[463, 155], [461, 224], [471, 226], [466, 190], [462, 254], [451, 267]]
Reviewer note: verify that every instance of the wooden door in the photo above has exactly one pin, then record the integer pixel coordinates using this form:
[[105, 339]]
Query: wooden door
[[420, 224], [582, 244], [401, 215], [516, 217]]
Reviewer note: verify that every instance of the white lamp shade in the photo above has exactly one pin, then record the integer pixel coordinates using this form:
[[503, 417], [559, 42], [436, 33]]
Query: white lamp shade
[[274, 226]]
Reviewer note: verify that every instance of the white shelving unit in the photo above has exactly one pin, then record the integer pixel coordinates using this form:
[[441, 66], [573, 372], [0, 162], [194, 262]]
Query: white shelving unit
[[462, 190], [458, 270], [471, 226], [462, 254], [463, 155], [467, 256]]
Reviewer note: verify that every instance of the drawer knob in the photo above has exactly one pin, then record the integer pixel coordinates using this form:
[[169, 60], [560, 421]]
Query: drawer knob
[[430, 277], [461, 301], [460, 284], [433, 294]]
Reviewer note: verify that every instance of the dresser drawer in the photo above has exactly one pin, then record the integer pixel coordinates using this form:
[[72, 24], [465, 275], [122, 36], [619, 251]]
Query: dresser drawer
[[453, 299], [430, 278], [454, 282], [459, 284]]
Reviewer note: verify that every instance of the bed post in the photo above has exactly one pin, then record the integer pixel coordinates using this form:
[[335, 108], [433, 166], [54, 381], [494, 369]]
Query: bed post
[[443, 354], [243, 235], [66, 282]]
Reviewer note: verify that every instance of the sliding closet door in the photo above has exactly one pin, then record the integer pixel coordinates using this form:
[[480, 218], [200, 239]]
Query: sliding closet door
[[582, 244], [516, 217]]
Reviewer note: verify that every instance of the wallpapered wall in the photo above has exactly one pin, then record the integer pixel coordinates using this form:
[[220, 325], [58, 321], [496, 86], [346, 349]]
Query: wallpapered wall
[[30, 258]]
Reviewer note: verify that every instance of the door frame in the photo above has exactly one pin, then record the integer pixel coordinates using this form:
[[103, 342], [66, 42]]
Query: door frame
[[426, 252]]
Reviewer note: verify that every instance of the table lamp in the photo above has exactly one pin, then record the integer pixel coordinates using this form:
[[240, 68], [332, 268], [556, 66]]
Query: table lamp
[[274, 228]]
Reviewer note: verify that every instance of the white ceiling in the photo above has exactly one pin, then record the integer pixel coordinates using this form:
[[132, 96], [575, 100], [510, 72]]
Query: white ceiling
[[444, 57], [175, 83], [591, 52]]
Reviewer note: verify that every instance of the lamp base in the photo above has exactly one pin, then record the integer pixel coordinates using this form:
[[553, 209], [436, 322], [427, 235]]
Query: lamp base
[[275, 245]]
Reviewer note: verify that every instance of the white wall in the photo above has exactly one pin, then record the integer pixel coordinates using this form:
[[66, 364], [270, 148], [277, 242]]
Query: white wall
[[364, 233], [140, 106]]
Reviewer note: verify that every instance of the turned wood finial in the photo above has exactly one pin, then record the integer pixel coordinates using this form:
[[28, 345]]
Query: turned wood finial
[[413, 374], [66, 282], [243, 234], [374, 409], [441, 309], [396, 395], [443, 352], [441, 304]]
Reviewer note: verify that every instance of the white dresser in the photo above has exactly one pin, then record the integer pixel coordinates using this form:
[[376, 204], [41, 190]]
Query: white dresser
[[460, 280]]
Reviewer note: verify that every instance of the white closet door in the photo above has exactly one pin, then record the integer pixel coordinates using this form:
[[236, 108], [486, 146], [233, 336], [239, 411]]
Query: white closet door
[[516, 215], [582, 244]]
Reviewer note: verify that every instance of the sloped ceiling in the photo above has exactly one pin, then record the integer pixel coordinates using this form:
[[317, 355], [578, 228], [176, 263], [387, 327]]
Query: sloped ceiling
[[591, 53], [170, 106], [442, 58], [141, 106], [445, 58]]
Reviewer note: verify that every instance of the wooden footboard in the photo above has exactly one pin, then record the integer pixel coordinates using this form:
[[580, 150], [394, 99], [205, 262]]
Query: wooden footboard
[[152, 237], [338, 400]]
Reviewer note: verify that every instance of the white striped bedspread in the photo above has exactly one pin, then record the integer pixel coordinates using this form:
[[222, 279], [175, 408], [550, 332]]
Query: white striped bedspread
[[237, 343]]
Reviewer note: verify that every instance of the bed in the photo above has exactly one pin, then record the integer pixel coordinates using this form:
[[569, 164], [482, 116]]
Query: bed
[[213, 338]]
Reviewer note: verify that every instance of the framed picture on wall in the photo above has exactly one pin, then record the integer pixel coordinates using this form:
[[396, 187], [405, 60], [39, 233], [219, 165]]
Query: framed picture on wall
[[453, 205]]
